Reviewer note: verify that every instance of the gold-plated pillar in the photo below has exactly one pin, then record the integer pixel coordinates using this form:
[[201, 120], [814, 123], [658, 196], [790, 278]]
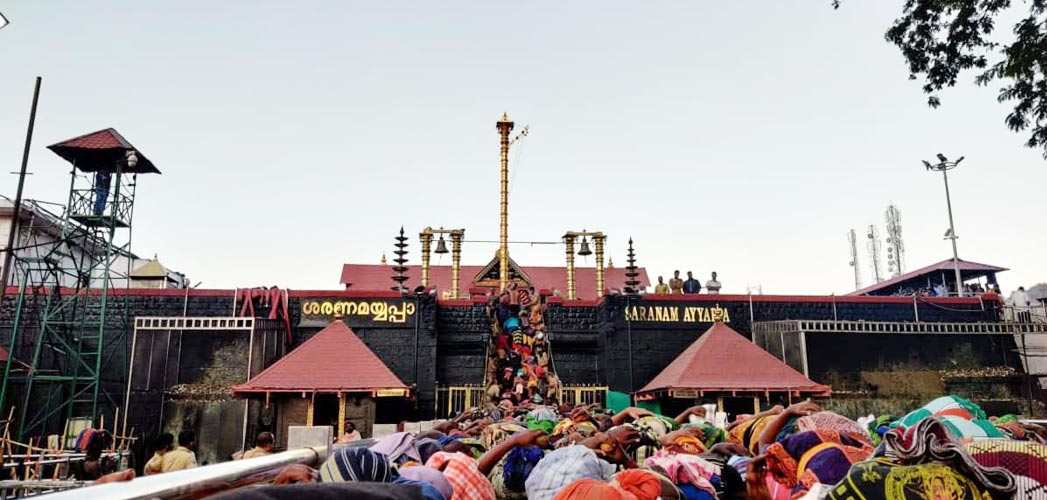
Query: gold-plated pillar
[[569, 240], [598, 240], [456, 262], [756, 404], [341, 415], [309, 410], [505, 126], [427, 240]]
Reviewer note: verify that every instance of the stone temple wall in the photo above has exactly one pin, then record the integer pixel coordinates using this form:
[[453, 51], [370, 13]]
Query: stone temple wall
[[618, 342]]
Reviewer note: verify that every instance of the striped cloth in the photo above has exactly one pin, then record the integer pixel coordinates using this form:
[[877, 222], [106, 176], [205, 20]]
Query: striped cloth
[[1024, 459], [563, 467], [356, 465], [962, 418]]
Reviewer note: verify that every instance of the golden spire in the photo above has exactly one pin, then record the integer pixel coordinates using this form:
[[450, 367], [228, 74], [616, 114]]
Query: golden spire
[[383, 259], [504, 126]]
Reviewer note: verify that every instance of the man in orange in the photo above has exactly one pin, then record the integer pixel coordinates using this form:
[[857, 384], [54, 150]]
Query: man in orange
[[263, 445], [183, 456], [676, 284]]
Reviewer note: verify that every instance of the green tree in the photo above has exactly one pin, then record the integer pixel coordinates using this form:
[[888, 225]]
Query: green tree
[[940, 39]]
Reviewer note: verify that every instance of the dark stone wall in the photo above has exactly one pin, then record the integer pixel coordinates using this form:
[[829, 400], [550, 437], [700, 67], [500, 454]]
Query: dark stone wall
[[591, 343], [654, 344], [462, 333]]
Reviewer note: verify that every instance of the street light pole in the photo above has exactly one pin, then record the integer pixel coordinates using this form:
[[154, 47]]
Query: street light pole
[[944, 166]]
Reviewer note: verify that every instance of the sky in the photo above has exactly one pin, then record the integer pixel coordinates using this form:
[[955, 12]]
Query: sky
[[745, 138]]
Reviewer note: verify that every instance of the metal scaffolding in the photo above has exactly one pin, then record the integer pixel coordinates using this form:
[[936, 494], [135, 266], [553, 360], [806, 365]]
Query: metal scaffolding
[[67, 349]]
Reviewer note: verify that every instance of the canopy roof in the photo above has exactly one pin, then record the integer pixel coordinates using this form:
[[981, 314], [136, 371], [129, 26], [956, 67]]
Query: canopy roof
[[931, 275], [333, 360], [722, 360], [151, 269], [101, 150]]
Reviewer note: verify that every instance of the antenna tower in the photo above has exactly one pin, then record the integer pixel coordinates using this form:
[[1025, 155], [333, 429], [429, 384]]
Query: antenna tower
[[853, 239], [875, 247], [895, 246]]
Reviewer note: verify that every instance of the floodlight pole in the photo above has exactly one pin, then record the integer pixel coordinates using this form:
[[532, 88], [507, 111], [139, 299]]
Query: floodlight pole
[[944, 166]]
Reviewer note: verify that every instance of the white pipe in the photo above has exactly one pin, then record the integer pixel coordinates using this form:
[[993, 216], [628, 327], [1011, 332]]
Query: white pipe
[[201, 481]]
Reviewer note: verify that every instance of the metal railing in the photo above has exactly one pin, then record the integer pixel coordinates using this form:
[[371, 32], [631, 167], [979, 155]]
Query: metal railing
[[451, 400], [1031, 314], [585, 395], [899, 327]]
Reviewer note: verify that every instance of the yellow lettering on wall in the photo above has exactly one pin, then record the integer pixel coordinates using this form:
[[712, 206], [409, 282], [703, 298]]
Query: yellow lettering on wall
[[676, 314], [379, 311]]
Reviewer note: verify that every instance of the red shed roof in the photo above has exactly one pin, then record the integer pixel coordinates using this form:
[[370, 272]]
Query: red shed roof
[[723, 360], [100, 151], [968, 270], [333, 360], [378, 277]]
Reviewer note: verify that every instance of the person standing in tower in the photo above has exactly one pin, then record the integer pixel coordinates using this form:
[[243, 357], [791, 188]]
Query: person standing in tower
[[676, 284], [102, 182]]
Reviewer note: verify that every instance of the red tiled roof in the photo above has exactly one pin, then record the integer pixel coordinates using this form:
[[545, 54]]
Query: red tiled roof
[[333, 360], [99, 151], [945, 265], [723, 360], [102, 139], [378, 277]]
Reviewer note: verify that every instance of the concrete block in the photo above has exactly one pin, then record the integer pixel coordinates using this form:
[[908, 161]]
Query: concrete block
[[303, 436]]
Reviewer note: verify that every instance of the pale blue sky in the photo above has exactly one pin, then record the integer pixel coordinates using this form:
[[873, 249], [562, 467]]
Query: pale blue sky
[[741, 137]]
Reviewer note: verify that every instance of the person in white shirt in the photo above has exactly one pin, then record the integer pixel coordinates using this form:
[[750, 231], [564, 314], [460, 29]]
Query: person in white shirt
[[1020, 301], [712, 286]]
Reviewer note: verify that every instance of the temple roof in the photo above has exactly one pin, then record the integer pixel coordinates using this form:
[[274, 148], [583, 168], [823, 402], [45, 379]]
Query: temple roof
[[151, 269], [378, 277], [722, 360], [333, 360]]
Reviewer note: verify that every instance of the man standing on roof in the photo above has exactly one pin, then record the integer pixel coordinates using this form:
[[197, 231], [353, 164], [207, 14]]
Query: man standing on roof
[[676, 284], [713, 286], [691, 286], [661, 288], [1020, 301]]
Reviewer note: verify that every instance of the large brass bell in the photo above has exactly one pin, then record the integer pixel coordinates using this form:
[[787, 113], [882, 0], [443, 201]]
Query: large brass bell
[[441, 246], [585, 251]]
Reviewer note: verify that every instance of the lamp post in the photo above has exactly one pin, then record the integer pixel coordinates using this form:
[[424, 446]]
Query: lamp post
[[943, 166]]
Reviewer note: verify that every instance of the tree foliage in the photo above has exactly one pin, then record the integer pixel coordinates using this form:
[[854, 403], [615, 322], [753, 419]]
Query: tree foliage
[[941, 39]]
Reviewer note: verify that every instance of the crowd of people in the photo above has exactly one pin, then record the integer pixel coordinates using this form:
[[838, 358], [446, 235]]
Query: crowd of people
[[690, 286], [949, 290], [519, 360], [947, 449]]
